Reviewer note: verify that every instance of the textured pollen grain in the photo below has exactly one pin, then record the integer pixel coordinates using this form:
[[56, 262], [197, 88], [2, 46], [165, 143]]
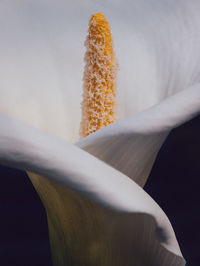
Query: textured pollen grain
[[99, 81]]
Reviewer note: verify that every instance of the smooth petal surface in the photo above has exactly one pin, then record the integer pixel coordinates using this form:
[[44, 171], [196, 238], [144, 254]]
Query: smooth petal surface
[[42, 50], [97, 216], [131, 145]]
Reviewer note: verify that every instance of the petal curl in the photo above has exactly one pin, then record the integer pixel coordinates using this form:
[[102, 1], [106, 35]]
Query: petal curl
[[131, 145], [84, 191]]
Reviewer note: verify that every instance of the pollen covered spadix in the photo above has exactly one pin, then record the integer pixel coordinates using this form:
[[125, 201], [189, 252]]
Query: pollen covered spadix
[[99, 95]]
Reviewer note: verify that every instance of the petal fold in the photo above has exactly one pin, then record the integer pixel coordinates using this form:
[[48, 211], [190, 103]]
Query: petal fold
[[132, 144], [81, 189]]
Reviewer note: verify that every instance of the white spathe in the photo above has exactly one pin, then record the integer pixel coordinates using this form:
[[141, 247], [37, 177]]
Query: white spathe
[[41, 49], [83, 193]]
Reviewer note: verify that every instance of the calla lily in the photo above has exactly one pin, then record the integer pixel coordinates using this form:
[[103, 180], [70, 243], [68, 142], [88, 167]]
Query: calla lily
[[97, 211]]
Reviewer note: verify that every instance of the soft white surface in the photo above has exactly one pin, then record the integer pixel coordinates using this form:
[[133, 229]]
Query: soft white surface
[[29, 149], [41, 51], [131, 145]]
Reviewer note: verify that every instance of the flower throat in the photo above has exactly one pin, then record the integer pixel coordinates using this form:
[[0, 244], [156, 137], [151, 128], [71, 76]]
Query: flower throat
[[99, 81]]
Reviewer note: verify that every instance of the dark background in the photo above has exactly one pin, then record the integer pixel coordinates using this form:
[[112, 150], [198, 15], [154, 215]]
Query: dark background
[[174, 183]]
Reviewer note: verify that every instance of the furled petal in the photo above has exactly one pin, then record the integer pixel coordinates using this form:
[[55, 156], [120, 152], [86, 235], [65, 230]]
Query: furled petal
[[97, 215], [42, 51], [131, 145]]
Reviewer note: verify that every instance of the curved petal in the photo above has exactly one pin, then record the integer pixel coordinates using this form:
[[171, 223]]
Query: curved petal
[[42, 51], [98, 211], [131, 145]]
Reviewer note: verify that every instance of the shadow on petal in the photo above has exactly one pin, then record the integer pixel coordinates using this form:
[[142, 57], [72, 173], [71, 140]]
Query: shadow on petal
[[84, 233]]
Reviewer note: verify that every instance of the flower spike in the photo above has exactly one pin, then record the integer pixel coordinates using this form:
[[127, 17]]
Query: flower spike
[[99, 96]]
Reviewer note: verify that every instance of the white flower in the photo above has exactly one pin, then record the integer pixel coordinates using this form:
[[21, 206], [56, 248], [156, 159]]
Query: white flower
[[97, 215]]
